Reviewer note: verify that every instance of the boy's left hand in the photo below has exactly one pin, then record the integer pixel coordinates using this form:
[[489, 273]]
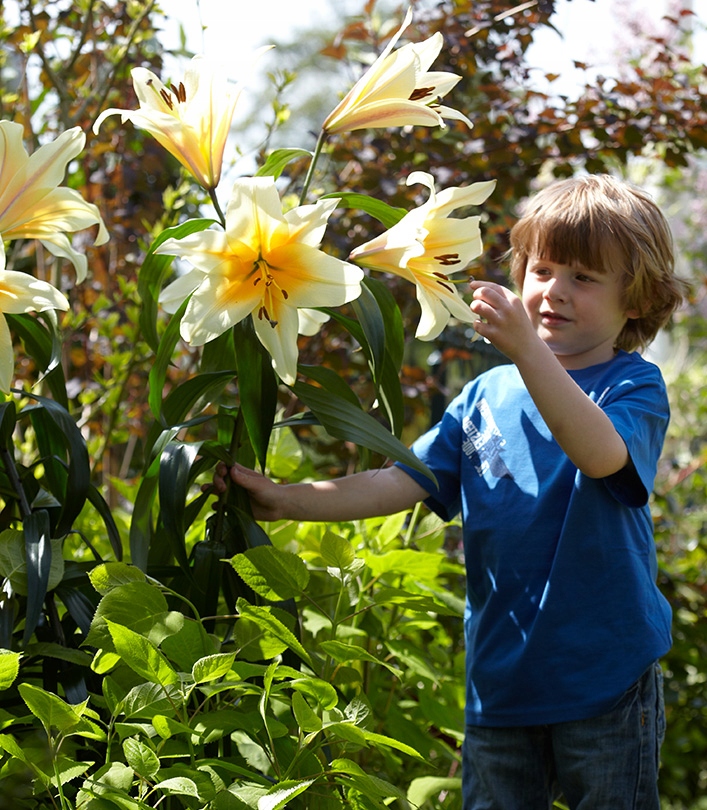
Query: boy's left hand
[[504, 321]]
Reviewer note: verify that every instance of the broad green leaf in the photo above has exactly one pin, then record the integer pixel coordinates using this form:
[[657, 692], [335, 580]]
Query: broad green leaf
[[425, 787], [283, 793], [147, 700], [371, 786], [68, 770], [284, 453], [408, 562], [212, 667], [138, 605], [272, 573], [13, 563], [386, 214], [278, 159], [389, 742], [141, 758], [9, 667], [110, 575], [49, 709], [344, 653], [347, 731], [167, 727], [264, 617], [412, 601], [179, 785], [323, 692], [336, 552], [344, 421], [306, 719], [141, 655], [188, 645], [15, 750]]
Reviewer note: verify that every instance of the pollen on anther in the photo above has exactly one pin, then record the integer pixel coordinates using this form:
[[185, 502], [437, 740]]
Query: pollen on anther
[[448, 259], [421, 92]]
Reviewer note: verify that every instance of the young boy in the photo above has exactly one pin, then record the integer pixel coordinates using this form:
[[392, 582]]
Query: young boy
[[550, 460]]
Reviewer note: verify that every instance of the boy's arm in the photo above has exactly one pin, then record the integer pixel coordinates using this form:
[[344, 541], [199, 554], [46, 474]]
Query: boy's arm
[[579, 425], [366, 494]]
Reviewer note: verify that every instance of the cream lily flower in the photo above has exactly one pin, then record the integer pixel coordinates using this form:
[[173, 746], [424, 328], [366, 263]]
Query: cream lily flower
[[397, 90], [191, 120], [265, 264], [32, 206], [426, 246], [20, 292]]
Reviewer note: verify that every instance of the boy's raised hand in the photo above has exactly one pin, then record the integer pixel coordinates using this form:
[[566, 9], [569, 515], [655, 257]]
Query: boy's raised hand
[[504, 321]]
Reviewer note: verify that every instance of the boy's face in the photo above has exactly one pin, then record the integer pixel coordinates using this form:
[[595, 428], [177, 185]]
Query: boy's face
[[575, 310]]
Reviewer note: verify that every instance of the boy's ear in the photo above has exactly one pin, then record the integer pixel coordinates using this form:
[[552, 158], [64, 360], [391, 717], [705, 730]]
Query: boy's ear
[[632, 314]]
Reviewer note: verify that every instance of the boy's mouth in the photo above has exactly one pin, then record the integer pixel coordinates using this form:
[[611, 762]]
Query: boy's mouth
[[553, 318]]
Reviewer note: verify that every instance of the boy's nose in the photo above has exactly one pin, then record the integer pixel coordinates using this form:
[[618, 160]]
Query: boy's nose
[[555, 290]]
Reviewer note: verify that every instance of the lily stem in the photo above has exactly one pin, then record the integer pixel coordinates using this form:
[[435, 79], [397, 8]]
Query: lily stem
[[310, 172], [215, 202]]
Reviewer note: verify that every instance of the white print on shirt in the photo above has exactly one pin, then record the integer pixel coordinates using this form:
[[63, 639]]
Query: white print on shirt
[[484, 447]]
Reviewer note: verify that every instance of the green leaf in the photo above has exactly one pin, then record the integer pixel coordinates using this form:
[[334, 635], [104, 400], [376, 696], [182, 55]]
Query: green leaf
[[257, 383], [272, 573], [344, 421], [148, 700], [198, 390], [154, 272], [9, 667], [163, 359], [389, 742], [13, 562], [49, 709], [174, 481], [212, 667], [43, 343], [179, 786], [344, 653], [72, 485], [188, 645], [336, 552], [425, 787], [141, 655], [306, 719], [384, 213], [111, 575], [141, 758], [263, 617], [38, 553], [283, 793], [8, 419], [278, 159]]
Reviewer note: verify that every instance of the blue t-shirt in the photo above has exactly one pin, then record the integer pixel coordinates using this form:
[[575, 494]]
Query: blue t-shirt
[[563, 613]]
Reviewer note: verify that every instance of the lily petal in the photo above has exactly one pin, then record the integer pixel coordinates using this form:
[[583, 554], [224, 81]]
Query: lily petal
[[265, 264], [32, 206], [398, 90]]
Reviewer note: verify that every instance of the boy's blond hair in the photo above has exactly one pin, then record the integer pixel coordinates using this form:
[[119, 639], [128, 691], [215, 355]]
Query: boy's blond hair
[[606, 225]]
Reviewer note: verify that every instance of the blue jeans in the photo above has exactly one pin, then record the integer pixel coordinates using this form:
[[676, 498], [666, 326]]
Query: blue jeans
[[604, 763]]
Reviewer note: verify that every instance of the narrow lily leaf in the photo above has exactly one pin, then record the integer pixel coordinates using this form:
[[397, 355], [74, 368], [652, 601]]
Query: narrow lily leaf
[[154, 272], [202, 387], [44, 345], [78, 477], [98, 502], [386, 214], [279, 159], [38, 551], [331, 381], [174, 481], [370, 317], [272, 573], [257, 383], [344, 421], [163, 358], [8, 418]]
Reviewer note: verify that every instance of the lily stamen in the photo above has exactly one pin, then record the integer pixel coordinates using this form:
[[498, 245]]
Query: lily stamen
[[421, 92], [448, 259]]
